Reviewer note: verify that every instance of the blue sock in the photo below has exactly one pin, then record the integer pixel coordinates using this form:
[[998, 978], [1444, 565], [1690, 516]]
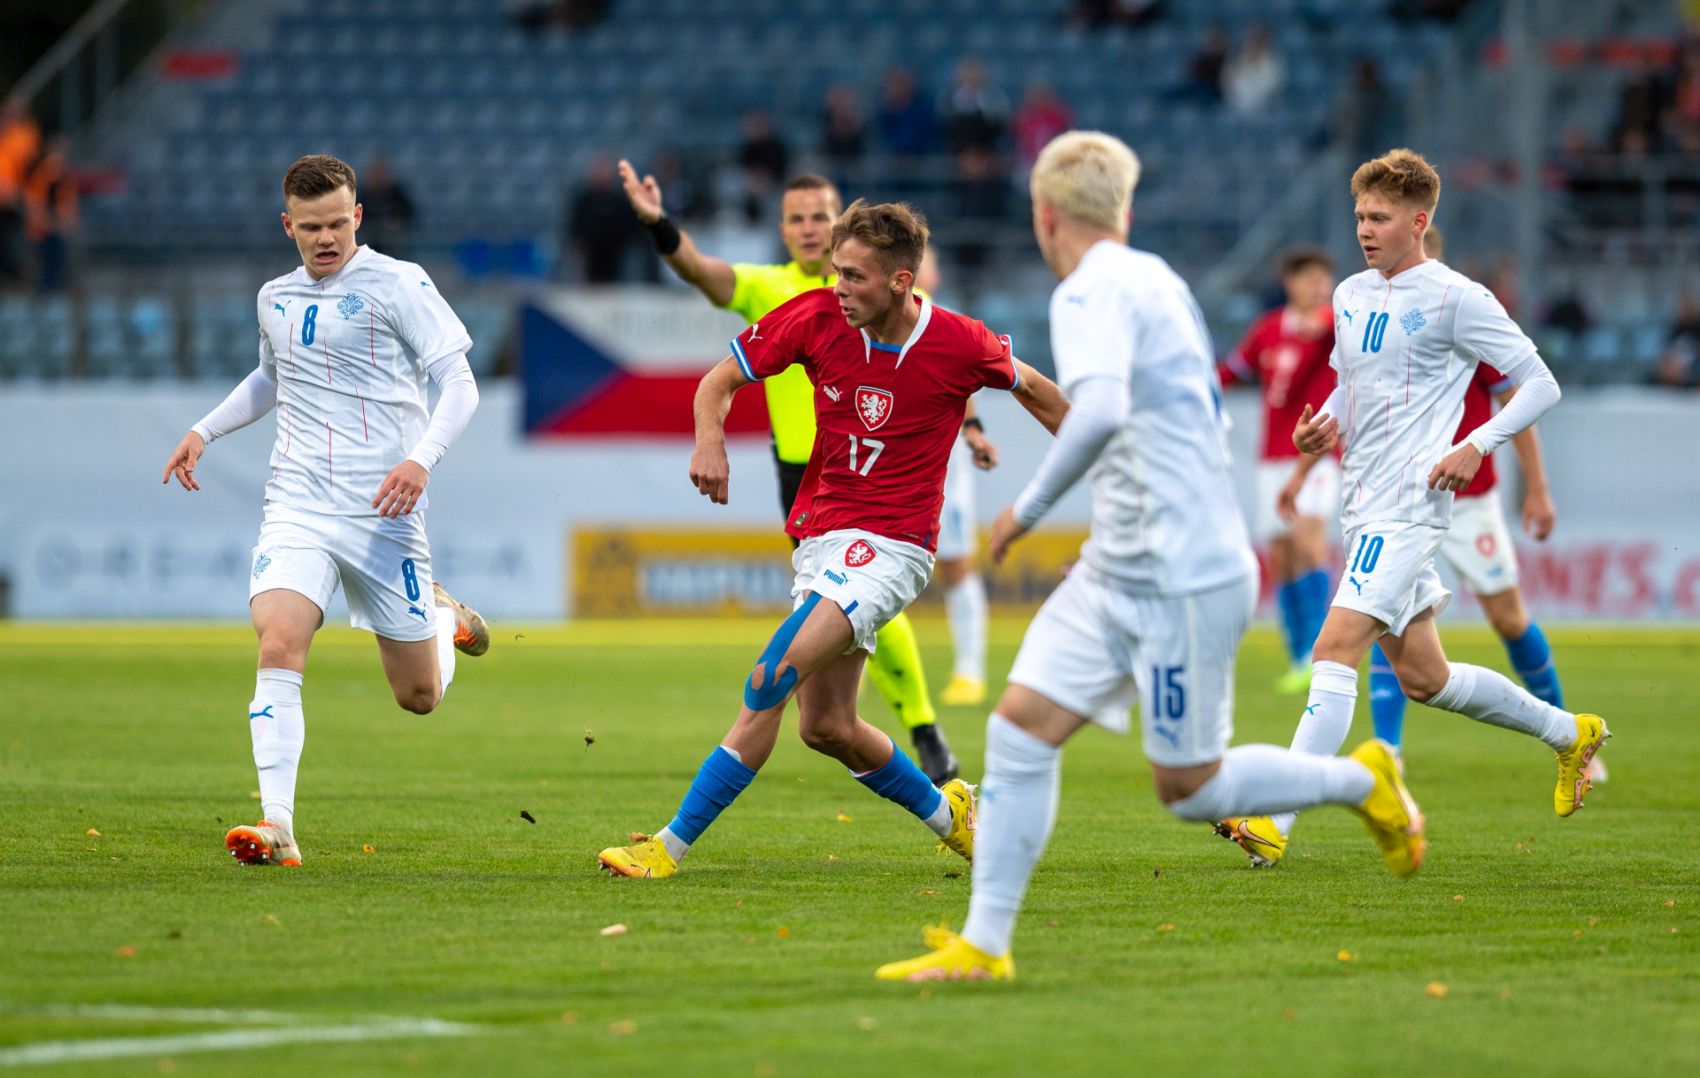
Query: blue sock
[[1532, 659], [901, 781], [1315, 595], [720, 779], [1386, 698], [1289, 599]]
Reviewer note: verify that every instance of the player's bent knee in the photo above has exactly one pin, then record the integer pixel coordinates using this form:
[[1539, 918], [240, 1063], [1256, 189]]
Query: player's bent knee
[[1422, 686], [824, 737], [419, 699]]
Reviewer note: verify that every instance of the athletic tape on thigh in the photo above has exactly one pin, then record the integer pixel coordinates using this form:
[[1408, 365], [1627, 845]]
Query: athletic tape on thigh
[[774, 690]]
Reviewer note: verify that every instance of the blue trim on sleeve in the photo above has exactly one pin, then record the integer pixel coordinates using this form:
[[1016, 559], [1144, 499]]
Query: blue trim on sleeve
[[1501, 386], [743, 361]]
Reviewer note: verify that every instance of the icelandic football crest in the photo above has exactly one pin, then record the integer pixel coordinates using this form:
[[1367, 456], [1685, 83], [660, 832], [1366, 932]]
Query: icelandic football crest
[[874, 406], [859, 554], [1413, 320], [351, 305], [261, 564]]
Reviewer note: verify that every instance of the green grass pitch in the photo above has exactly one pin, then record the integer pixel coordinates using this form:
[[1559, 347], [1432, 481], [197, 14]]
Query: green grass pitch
[[1564, 946]]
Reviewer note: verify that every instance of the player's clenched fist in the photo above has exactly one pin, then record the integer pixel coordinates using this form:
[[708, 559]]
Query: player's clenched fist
[[710, 473], [182, 461], [1315, 436]]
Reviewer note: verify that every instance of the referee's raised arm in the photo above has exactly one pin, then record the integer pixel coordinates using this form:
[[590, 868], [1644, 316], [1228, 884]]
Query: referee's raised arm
[[711, 276]]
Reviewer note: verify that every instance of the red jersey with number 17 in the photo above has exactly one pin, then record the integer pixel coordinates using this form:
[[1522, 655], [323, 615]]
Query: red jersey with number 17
[[886, 416]]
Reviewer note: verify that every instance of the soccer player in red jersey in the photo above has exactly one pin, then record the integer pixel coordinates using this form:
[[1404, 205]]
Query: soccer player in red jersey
[[1286, 351], [892, 375]]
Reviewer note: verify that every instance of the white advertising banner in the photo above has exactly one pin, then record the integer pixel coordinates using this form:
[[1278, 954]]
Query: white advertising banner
[[88, 531]]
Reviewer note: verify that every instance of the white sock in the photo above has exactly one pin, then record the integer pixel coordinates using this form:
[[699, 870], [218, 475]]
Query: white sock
[[278, 730], [1018, 806], [1327, 718], [677, 847], [1257, 780], [939, 821], [965, 607], [1491, 697], [445, 648]]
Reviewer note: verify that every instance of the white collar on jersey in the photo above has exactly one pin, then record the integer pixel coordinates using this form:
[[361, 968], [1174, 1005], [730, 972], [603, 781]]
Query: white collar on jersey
[[359, 253], [914, 335]]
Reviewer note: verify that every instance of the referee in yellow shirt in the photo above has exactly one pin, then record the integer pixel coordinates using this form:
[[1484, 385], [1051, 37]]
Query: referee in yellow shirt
[[810, 205]]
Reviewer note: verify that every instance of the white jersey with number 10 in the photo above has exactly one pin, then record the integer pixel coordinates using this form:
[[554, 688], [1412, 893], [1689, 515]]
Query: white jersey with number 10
[[1405, 350]]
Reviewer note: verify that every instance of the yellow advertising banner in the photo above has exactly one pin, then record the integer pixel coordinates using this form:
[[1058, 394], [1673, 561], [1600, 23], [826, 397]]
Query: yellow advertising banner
[[649, 572]]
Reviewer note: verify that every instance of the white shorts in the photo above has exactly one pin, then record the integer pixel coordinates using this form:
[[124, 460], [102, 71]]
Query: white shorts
[[1390, 573], [871, 578], [1478, 545], [956, 519], [1094, 649], [1319, 497], [382, 563]]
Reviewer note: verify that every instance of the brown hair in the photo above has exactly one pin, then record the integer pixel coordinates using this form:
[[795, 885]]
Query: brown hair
[[895, 230], [810, 181], [315, 175], [1297, 258], [1400, 175]]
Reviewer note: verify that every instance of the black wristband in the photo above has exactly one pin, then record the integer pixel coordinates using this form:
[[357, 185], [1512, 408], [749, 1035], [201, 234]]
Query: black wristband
[[974, 423], [665, 235]]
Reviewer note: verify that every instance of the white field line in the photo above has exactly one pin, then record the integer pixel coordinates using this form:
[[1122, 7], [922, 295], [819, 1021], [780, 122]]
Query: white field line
[[368, 1029]]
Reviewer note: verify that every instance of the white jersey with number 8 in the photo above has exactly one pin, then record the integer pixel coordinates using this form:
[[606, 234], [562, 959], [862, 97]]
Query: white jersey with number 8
[[350, 355]]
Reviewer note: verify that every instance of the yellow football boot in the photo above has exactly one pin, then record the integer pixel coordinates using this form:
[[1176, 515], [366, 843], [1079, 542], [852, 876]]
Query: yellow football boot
[[647, 860], [1257, 836], [1574, 781], [952, 958], [963, 692], [961, 837], [1389, 812]]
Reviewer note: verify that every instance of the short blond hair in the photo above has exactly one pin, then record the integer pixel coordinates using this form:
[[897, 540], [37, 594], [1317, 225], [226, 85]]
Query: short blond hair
[[1402, 176], [895, 230], [1087, 176]]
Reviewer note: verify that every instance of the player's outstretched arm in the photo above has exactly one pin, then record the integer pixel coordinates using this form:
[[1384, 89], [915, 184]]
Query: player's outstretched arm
[[710, 473], [1040, 396], [711, 276], [1539, 513], [252, 398]]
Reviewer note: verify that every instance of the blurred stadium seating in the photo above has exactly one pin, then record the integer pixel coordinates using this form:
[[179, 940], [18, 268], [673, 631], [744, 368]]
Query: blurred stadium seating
[[490, 122]]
